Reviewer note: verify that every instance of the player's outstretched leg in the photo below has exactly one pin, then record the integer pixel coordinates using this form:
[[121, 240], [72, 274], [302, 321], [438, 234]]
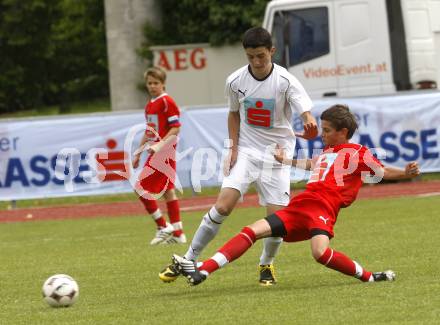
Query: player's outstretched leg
[[189, 270], [229, 252], [342, 263]]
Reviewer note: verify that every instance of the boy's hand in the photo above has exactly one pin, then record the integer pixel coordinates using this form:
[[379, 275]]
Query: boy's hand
[[230, 161], [155, 147], [310, 132], [280, 156], [412, 169]]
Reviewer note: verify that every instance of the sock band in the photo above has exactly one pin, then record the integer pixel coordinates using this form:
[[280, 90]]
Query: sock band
[[220, 259], [156, 214], [177, 225], [359, 270], [326, 257], [249, 234], [212, 220], [239, 244], [215, 216]]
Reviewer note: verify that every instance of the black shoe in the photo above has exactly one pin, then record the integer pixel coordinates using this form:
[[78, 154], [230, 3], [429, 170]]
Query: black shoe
[[267, 275], [169, 274], [384, 276], [189, 270]]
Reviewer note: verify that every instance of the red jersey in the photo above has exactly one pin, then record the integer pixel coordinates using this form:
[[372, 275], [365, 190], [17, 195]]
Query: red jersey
[[339, 172], [161, 114]]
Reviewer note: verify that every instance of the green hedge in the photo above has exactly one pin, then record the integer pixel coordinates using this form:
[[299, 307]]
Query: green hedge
[[51, 52], [203, 21], [54, 51]]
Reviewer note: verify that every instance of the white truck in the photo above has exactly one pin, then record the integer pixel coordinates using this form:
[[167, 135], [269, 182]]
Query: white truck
[[358, 47], [334, 47]]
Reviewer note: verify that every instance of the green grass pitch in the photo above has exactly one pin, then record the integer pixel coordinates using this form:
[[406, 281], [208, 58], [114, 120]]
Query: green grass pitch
[[116, 270]]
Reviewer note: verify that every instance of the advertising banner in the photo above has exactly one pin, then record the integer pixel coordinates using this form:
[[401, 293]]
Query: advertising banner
[[90, 155]]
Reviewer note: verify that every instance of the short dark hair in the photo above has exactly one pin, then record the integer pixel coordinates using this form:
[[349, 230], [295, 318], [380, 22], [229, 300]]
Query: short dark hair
[[156, 73], [340, 117], [256, 37]]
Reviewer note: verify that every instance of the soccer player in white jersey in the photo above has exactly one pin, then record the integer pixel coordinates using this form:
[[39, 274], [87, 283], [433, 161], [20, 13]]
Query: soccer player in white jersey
[[262, 97]]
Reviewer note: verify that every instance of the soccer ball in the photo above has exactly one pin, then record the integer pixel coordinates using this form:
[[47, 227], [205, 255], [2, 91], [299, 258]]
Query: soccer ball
[[60, 290]]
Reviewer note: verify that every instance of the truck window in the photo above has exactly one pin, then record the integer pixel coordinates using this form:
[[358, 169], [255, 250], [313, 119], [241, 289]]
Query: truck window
[[300, 35], [278, 39]]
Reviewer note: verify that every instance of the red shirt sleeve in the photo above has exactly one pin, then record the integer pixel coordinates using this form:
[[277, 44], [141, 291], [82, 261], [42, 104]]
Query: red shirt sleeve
[[370, 164], [172, 112]]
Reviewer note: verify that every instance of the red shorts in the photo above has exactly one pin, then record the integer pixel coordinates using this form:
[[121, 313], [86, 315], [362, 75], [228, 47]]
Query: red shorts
[[304, 213], [155, 181]]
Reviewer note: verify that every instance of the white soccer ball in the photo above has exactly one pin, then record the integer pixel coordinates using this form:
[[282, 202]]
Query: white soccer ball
[[60, 290]]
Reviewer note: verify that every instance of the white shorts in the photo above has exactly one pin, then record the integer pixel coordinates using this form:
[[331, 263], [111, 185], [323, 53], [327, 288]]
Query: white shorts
[[271, 178]]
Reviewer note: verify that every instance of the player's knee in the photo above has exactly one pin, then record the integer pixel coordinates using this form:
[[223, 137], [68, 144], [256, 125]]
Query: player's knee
[[170, 195], [224, 209], [213, 218], [317, 252]]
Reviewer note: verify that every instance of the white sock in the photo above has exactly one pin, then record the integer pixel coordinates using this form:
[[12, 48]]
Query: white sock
[[156, 214], [360, 272], [177, 225], [219, 258], [206, 232], [271, 246]]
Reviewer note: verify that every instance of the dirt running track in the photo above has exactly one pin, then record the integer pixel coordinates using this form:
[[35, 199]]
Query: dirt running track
[[118, 209]]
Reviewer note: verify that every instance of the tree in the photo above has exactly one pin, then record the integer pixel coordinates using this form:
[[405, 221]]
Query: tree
[[51, 52], [25, 51], [203, 21], [79, 53]]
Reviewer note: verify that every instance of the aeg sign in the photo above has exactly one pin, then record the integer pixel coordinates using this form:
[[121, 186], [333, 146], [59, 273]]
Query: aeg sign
[[182, 59]]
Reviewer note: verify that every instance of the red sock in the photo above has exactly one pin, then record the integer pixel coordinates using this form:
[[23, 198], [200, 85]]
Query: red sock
[[339, 262], [153, 209], [174, 215], [232, 250], [209, 266]]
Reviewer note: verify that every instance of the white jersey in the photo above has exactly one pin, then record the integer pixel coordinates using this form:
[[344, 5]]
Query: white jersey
[[266, 107]]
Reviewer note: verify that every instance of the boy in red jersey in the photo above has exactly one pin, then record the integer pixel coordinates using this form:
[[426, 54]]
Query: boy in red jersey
[[337, 175], [158, 175]]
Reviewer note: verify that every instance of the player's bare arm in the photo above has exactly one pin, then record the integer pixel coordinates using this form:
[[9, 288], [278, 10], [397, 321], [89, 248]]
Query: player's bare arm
[[170, 136], [233, 130], [392, 173], [310, 127], [280, 156]]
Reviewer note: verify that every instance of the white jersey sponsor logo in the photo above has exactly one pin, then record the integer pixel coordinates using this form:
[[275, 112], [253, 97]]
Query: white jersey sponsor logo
[[266, 107]]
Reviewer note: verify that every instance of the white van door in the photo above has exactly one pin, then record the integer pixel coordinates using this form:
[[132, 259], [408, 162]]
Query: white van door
[[422, 28], [362, 48], [303, 33]]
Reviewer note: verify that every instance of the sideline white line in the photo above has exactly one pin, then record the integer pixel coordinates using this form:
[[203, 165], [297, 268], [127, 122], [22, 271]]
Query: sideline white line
[[428, 194], [197, 207]]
